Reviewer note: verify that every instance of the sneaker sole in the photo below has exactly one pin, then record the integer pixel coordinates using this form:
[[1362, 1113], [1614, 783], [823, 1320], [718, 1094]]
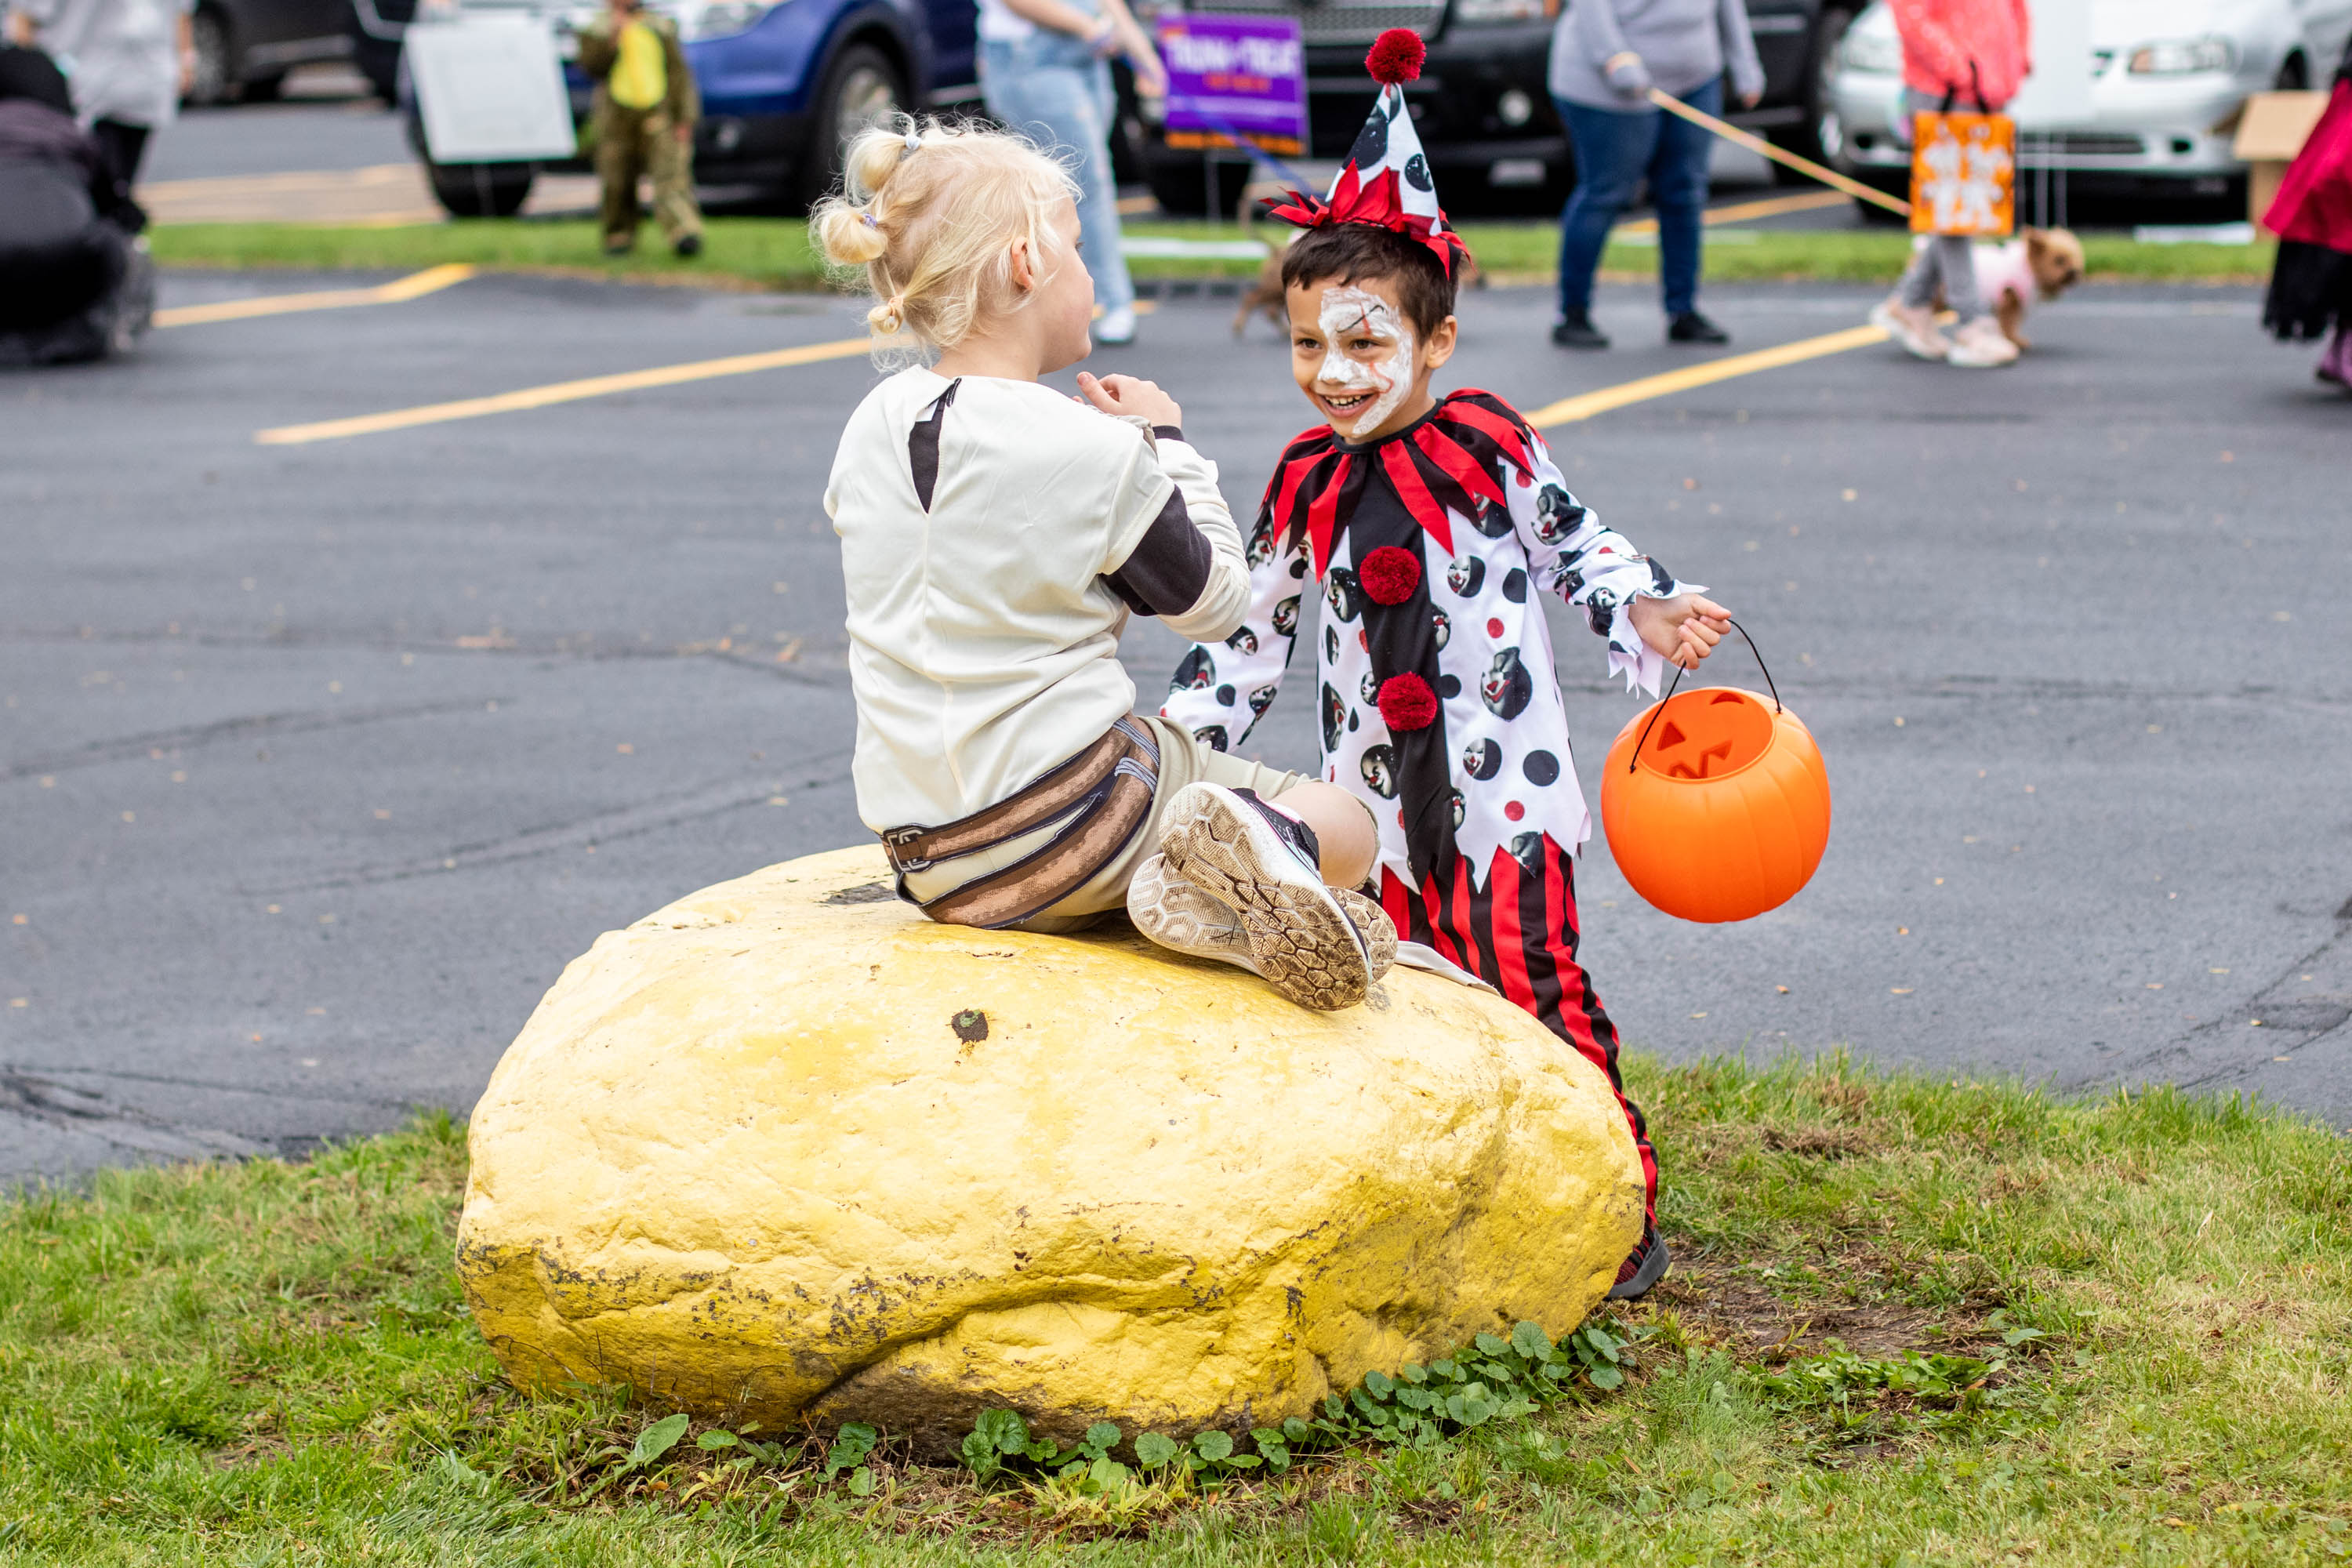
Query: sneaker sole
[[1300, 938], [1161, 919]]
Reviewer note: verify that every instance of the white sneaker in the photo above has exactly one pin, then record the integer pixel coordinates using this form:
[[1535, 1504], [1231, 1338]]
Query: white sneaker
[[1174, 913], [1116, 326], [1981, 345], [1299, 935], [1913, 326]]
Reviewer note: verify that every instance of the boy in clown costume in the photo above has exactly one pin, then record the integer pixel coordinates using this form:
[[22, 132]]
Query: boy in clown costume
[[1428, 525]]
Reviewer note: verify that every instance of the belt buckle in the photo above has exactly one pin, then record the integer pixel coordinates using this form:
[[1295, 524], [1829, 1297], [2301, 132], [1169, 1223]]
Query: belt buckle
[[897, 838]]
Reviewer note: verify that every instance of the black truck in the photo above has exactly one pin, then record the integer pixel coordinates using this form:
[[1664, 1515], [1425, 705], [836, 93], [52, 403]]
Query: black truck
[[1493, 138]]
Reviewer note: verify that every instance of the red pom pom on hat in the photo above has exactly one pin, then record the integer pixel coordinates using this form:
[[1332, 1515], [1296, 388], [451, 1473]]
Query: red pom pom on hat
[[1396, 56], [1389, 575], [1407, 703]]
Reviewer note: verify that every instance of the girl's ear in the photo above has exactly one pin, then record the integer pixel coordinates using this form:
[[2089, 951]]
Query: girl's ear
[[1025, 272], [1439, 347]]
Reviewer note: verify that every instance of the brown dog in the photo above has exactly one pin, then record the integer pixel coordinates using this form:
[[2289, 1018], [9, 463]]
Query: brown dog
[[2039, 264]]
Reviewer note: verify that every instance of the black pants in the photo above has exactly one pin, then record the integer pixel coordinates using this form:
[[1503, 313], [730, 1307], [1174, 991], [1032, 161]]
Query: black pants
[[122, 146]]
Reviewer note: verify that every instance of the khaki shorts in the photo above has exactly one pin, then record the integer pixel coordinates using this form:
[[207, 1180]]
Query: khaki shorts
[[1182, 760]]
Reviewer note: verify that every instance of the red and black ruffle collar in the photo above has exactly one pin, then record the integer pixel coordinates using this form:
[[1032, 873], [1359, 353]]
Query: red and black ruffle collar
[[1450, 459]]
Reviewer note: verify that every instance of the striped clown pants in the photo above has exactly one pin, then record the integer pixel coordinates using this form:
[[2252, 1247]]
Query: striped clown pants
[[1518, 933]]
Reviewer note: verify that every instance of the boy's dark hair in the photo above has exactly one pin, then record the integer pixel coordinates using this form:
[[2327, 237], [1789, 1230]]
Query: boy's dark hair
[[1351, 252]]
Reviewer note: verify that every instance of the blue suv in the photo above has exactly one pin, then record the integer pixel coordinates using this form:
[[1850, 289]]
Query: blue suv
[[784, 84]]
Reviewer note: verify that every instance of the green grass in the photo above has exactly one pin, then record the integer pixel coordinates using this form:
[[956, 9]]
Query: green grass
[[773, 252], [270, 1363]]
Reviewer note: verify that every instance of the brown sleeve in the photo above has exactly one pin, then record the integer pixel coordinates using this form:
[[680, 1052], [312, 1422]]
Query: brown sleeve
[[685, 97], [598, 50]]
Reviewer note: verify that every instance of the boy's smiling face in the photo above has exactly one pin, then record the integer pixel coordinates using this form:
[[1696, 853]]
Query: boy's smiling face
[[1359, 359]]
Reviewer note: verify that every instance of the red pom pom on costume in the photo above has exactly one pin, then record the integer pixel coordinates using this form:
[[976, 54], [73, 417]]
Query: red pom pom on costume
[[1389, 575], [1407, 703], [1396, 57]]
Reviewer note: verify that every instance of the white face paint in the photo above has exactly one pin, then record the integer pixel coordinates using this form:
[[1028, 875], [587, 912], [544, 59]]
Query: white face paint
[[1350, 312]]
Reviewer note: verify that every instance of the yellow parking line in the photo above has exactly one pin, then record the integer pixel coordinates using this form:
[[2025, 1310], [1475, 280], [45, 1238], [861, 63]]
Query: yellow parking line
[[559, 392], [1741, 212], [1584, 406], [573, 391], [415, 285]]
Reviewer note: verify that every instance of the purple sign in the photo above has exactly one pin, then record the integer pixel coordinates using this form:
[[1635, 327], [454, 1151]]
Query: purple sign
[[1234, 79]]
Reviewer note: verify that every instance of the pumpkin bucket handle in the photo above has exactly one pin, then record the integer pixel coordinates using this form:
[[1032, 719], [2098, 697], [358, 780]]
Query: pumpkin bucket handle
[[1675, 684]]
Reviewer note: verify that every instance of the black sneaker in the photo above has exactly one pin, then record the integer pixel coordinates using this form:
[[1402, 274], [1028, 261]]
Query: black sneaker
[[1645, 1267], [1690, 327], [1578, 333], [688, 245]]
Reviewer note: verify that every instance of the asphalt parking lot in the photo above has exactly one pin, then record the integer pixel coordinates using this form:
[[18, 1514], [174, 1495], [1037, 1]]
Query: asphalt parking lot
[[319, 760]]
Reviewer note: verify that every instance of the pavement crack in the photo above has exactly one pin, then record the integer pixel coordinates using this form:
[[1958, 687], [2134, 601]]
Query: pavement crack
[[604, 828], [2308, 1001], [62, 1105], [192, 736]]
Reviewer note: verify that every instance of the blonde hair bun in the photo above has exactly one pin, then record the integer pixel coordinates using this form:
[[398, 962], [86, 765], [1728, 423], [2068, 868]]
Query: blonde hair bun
[[926, 221]]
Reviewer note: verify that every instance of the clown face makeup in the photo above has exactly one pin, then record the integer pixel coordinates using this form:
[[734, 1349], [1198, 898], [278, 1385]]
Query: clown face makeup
[[1357, 367]]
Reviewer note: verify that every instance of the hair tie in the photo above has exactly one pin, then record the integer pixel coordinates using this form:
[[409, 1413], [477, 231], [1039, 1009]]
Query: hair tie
[[867, 220], [914, 143]]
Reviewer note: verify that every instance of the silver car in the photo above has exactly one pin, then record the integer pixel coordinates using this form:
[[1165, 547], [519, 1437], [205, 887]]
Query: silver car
[[2168, 79]]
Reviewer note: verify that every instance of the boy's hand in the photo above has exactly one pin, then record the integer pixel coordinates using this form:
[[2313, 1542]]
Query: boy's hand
[[1130, 394], [1682, 629]]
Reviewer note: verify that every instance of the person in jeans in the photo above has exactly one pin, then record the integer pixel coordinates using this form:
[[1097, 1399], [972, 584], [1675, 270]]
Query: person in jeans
[[1606, 55], [1044, 72], [131, 60], [1970, 55]]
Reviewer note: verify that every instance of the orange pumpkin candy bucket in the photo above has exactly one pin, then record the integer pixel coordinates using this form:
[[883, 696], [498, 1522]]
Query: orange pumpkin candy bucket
[[1716, 803]]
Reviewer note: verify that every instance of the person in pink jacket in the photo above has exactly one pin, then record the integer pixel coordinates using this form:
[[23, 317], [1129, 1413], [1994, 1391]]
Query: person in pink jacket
[[1972, 55]]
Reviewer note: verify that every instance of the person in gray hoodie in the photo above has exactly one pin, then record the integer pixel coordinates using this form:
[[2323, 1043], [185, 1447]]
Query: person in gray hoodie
[[1606, 55]]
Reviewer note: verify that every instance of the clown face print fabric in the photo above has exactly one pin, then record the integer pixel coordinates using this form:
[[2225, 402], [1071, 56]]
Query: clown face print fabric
[[1504, 729]]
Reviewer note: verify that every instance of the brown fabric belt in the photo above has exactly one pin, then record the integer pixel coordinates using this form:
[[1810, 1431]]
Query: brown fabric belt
[[1101, 797]]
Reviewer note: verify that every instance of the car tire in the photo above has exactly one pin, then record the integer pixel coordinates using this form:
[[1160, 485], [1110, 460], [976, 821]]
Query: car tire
[[1821, 136], [863, 87], [214, 81], [481, 190], [1181, 185]]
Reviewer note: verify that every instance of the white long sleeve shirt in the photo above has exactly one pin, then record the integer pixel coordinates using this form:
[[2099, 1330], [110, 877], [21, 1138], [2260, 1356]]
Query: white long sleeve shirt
[[994, 538]]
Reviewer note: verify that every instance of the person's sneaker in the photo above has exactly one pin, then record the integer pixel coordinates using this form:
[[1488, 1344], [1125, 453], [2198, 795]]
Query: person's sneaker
[[1578, 333], [688, 245], [1644, 1267], [1690, 327], [1116, 326], [1174, 913], [1261, 864], [1981, 345], [1913, 326]]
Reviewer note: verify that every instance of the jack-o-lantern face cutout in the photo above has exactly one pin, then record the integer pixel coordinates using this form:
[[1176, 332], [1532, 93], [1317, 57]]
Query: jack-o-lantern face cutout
[[1710, 739]]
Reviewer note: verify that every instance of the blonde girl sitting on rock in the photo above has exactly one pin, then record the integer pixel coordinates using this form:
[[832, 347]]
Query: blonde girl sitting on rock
[[996, 537]]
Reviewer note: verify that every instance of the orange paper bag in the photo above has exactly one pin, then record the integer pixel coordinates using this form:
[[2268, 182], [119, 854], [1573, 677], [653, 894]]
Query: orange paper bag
[[1963, 174]]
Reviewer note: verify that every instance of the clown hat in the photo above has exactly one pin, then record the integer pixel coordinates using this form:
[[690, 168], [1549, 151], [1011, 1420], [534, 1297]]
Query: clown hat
[[1386, 182]]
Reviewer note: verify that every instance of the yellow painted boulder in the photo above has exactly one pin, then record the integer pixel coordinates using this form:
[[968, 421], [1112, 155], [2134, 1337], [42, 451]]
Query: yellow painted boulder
[[786, 1151]]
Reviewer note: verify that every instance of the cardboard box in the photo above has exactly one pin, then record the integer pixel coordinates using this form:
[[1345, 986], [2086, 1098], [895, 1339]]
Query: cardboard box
[[2272, 129]]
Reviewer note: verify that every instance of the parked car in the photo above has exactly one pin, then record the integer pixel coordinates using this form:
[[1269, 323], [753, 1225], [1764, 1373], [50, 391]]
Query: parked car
[[784, 84], [2168, 79], [244, 48], [1485, 121]]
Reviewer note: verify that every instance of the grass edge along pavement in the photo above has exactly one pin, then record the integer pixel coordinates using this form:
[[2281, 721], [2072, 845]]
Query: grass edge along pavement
[[756, 253], [1913, 1319]]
